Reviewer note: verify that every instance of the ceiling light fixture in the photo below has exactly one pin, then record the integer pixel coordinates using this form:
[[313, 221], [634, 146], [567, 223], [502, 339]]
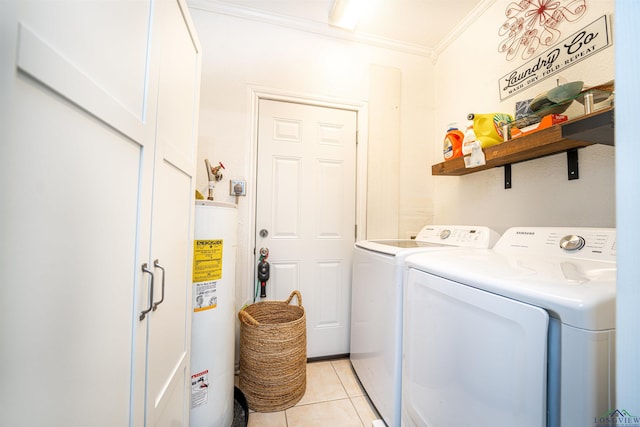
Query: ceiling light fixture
[[346, 13]]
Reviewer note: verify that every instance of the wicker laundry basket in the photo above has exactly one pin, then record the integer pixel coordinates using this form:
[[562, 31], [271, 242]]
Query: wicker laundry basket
[[273, 354]]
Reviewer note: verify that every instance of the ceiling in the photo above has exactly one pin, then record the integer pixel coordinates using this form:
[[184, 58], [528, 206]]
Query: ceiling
[[421, 26]]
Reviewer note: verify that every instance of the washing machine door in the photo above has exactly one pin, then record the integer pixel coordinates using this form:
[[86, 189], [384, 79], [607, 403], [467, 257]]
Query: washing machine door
[[471, 358]]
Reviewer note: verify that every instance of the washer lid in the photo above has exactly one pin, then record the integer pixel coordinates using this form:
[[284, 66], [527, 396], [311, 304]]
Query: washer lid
[[395, 247], [435, 236], [392, 247], [580, 292]]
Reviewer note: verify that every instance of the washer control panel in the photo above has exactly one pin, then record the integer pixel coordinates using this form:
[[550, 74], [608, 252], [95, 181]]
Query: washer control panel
[[458, 235], [582, 242]]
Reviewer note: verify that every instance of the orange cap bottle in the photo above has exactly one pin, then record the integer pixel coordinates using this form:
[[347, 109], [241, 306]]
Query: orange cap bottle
[[452, 146]]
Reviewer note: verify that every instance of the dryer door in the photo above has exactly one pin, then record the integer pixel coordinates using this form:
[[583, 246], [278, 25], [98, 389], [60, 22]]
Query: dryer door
[[471, 358]]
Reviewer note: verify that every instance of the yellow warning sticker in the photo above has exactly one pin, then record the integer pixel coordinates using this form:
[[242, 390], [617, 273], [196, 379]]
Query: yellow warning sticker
[[207, 260]]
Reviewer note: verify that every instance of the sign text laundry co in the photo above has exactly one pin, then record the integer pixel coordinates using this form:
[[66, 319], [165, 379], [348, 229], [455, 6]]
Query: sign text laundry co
[[584, 43]]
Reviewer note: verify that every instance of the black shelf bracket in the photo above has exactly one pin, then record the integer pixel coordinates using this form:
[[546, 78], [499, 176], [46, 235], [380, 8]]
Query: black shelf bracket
[[572, 164], [573, 171], [507, 176]]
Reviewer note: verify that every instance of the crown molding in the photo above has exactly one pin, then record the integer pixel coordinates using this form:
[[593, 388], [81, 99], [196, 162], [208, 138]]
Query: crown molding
[[309, 26], [324, 29], [461, 27]]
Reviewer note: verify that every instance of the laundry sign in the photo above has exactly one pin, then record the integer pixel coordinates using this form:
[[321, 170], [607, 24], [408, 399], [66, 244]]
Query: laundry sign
[[578, 46]]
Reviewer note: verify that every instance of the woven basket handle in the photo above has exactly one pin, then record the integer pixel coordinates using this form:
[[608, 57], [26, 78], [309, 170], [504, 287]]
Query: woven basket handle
[[247, 318], [295, 293]]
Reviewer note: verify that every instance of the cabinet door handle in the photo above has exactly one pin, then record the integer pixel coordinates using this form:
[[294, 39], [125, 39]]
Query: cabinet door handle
[[157, 265], [143, 313]]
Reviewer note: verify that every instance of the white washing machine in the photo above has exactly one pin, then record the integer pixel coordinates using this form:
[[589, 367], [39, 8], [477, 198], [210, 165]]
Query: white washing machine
[[376, 307], [520, 335]]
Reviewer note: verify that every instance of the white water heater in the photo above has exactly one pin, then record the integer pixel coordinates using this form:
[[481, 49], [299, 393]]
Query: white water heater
[[213, 314]]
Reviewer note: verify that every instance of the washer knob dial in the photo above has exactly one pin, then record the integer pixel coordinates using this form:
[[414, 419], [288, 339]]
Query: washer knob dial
[[445, 234], [572, 242]]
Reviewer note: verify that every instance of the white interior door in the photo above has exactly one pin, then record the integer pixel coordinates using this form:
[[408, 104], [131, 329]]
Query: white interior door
[[305, 213]]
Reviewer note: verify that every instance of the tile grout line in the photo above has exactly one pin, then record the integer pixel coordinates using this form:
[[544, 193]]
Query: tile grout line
[[348, 396], [357, 412], [337, 399]]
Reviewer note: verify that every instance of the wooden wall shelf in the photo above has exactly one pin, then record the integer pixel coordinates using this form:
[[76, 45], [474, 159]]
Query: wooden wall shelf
[[595, 128]]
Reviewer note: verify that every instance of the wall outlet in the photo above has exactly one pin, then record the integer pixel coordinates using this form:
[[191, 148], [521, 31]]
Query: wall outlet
[[237, 187]]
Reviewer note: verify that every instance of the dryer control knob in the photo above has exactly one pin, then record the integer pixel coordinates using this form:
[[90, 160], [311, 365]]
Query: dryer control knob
[[445, 233], [572, 242]]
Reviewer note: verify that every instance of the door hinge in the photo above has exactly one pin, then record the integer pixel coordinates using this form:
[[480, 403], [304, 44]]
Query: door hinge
[[355, 228]]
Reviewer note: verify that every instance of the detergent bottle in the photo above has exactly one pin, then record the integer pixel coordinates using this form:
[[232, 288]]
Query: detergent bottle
[[469, 138], [452, 146], [488, 127]]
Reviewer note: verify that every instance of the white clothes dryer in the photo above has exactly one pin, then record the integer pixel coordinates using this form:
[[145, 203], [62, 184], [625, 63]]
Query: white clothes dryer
[[376, 306], [519, 335]]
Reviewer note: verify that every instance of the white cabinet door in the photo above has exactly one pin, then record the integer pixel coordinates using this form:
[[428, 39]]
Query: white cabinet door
[[72, 171], [168, 378], [96, 167]]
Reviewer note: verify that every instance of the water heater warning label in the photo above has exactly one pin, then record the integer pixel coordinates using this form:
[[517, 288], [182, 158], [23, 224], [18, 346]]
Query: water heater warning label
[[199, 388], [205, 296], [207, 260]]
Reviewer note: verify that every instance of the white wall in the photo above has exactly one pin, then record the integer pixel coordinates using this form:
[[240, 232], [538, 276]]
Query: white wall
[[467, 74], [240, 55], [628, 315]]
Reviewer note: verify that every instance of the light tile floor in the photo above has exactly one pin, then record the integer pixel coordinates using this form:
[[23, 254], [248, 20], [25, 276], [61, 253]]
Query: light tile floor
[[334, 397]]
